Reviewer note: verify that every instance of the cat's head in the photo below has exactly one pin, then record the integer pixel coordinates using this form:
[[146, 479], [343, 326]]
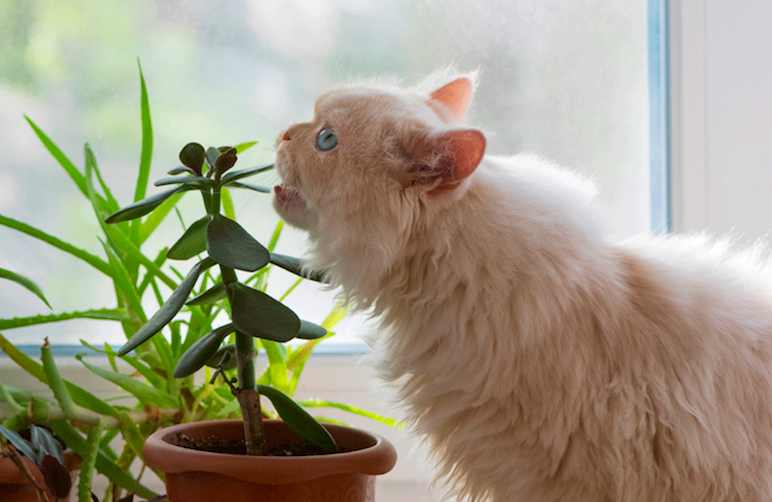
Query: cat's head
[[373, 160]]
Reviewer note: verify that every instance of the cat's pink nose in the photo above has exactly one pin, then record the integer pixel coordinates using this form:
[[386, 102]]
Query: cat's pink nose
[[286, 136]]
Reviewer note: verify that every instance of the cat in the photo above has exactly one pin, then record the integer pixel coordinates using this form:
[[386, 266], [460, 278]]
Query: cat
[[541, 361]]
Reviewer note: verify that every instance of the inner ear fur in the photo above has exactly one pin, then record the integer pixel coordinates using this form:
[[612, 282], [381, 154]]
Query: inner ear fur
[[440, 161], [455, 96]]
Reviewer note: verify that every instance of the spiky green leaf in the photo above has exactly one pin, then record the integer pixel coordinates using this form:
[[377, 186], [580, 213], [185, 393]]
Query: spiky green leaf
[[23, 281]]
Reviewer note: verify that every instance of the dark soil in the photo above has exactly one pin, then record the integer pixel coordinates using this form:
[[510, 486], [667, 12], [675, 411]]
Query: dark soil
[[237, 447]]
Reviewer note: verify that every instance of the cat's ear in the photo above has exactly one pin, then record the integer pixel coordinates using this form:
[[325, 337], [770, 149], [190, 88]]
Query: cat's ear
[[441, 161], [455, 96]]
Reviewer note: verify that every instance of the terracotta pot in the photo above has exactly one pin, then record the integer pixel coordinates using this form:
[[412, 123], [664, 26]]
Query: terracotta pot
[[15, 487], [219, 477]]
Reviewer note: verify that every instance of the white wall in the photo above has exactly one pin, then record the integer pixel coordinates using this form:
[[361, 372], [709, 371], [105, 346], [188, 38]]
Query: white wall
[[722, 116]]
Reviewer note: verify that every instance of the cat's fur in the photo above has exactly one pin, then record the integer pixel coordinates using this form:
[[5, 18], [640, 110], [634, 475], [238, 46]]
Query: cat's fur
[[541, 361]]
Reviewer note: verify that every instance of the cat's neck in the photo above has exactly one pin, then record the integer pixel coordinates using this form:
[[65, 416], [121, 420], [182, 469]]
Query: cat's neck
[[518, 217]]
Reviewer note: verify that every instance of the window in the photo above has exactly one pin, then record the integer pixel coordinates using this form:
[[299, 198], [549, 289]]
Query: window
[[567, 80]]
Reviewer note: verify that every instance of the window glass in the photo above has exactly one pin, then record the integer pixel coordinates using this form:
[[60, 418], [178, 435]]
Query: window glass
[[561, 78]]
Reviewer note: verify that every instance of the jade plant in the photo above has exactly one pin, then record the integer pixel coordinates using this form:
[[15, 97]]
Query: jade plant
[[88, 423], [253, 313]]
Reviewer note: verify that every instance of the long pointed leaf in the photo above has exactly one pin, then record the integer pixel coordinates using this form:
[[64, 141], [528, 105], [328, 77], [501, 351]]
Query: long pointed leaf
[[147, 140], [299, 420], [68, 166], [155, 218], [277, 366], [227, 203], [168, 310], [123, 280], [243, 147], [92, 260], [143, 392], [318, 403], [23, 281], [154, 378], [134, 252]]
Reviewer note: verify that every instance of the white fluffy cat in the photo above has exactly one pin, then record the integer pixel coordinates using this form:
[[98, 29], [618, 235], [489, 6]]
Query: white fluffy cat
[[541, 361]]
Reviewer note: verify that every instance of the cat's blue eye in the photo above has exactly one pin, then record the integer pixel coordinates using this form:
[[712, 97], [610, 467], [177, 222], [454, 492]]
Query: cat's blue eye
[[326, 140]]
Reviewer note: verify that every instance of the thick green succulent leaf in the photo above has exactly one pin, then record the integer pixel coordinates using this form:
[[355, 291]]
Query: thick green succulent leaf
[[211, 295], [202, 351], [144, 206], [211, 157], [168, 310], [256, 188], [257, 314], [243, 173], [19, 443], [192, 242], [195, 181], [45, 443], [292, 264], [179, 170], [231, 246], [310, 331], [299, 420], [192, 156], [23, 281], [224, 358], [226, 160]]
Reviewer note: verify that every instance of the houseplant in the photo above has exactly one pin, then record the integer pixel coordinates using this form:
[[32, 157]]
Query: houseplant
[[217, 472], [162, 400]]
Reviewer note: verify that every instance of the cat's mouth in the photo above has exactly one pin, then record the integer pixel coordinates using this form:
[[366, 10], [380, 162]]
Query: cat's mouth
[[288, 195], [292, 207]]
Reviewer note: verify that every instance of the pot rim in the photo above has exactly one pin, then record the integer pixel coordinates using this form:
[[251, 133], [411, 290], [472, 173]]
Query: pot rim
[[377, 459], [10, 474]]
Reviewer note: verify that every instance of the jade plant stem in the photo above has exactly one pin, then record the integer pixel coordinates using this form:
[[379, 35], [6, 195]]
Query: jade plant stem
[[246, 392]]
